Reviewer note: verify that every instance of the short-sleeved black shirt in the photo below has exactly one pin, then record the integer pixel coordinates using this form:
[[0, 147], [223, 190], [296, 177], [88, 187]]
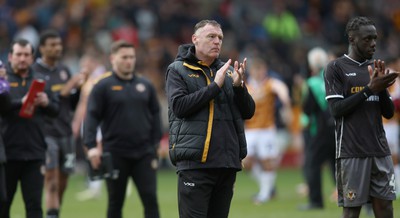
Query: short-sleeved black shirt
[[56, 78], [359, 133]]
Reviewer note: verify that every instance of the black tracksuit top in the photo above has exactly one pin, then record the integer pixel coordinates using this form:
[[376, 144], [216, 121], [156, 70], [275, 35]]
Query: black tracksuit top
[[24, 138], [128, 113]]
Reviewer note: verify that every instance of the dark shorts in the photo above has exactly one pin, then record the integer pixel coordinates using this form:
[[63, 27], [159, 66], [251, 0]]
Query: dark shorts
[[60, 154], [358, 179]]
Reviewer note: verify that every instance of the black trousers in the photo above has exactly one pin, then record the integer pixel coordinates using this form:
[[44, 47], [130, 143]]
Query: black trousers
[[143, 172], [318, 151], [205, 193], [31, 178]]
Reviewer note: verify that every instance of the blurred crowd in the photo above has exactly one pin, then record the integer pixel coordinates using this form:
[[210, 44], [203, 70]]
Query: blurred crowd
[[280, 31]]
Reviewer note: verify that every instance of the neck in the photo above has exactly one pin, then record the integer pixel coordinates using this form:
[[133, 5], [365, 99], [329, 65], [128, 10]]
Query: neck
[[353, 54], [357, 58], [49, 61], [22, 73], [206, 61], [124, 76]]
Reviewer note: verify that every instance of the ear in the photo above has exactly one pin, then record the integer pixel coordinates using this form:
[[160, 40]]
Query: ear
[[194, 39], [351, 39]]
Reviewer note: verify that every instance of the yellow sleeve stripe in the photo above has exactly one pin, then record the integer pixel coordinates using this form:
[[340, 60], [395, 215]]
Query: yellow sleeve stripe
[[102, 76]]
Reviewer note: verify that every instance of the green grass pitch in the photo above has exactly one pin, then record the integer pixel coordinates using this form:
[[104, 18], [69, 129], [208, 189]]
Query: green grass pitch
[[283, 206]]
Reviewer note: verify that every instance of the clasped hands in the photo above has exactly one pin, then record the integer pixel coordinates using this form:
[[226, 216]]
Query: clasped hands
[[381, 78], [237, 75]]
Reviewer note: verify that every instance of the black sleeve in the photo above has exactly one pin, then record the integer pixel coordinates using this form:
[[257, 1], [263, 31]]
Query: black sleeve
[[53, 108], [5, 102], [183, 103], [310, 105], [387, 106], [154, 107], [16, 103], [75, 93], [94, 113], [341, 107], [74, 99], [244, 102]]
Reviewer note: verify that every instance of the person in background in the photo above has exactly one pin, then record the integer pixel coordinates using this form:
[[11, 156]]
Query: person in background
[[92, 65], [126, 108], [263, 152], [24, 137], [207, 105], [320, 144], [392, 125], [60, 155], [356, 90]]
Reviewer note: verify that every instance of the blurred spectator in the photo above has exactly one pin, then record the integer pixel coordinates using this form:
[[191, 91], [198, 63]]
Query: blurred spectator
[[335, 24], [262, 145], [320, 131]]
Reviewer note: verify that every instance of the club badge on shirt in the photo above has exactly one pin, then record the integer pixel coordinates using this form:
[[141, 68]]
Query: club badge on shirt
[[140, 87], [63, 75]]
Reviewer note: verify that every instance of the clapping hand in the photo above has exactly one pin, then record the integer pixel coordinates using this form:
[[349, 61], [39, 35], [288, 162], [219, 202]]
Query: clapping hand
[[238, 73], [381, 78]]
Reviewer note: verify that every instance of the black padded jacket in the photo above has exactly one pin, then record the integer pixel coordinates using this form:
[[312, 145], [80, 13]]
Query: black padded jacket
[[206, 122]]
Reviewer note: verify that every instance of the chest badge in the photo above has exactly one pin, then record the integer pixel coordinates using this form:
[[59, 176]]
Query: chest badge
[[140, 87], [63, 75]]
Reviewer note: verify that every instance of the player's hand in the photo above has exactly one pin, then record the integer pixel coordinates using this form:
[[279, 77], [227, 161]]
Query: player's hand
[[94, 155], [238, 72], [23, 99], [41, 100], [381, 78], [80, 78], [221, 73]]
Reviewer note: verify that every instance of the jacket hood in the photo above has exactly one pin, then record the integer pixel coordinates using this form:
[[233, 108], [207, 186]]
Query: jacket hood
[[186, 52]]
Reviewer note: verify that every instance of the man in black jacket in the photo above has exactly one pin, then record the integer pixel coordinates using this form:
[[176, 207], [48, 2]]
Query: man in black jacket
[[208, 102], [25, 146], [126, 108]]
